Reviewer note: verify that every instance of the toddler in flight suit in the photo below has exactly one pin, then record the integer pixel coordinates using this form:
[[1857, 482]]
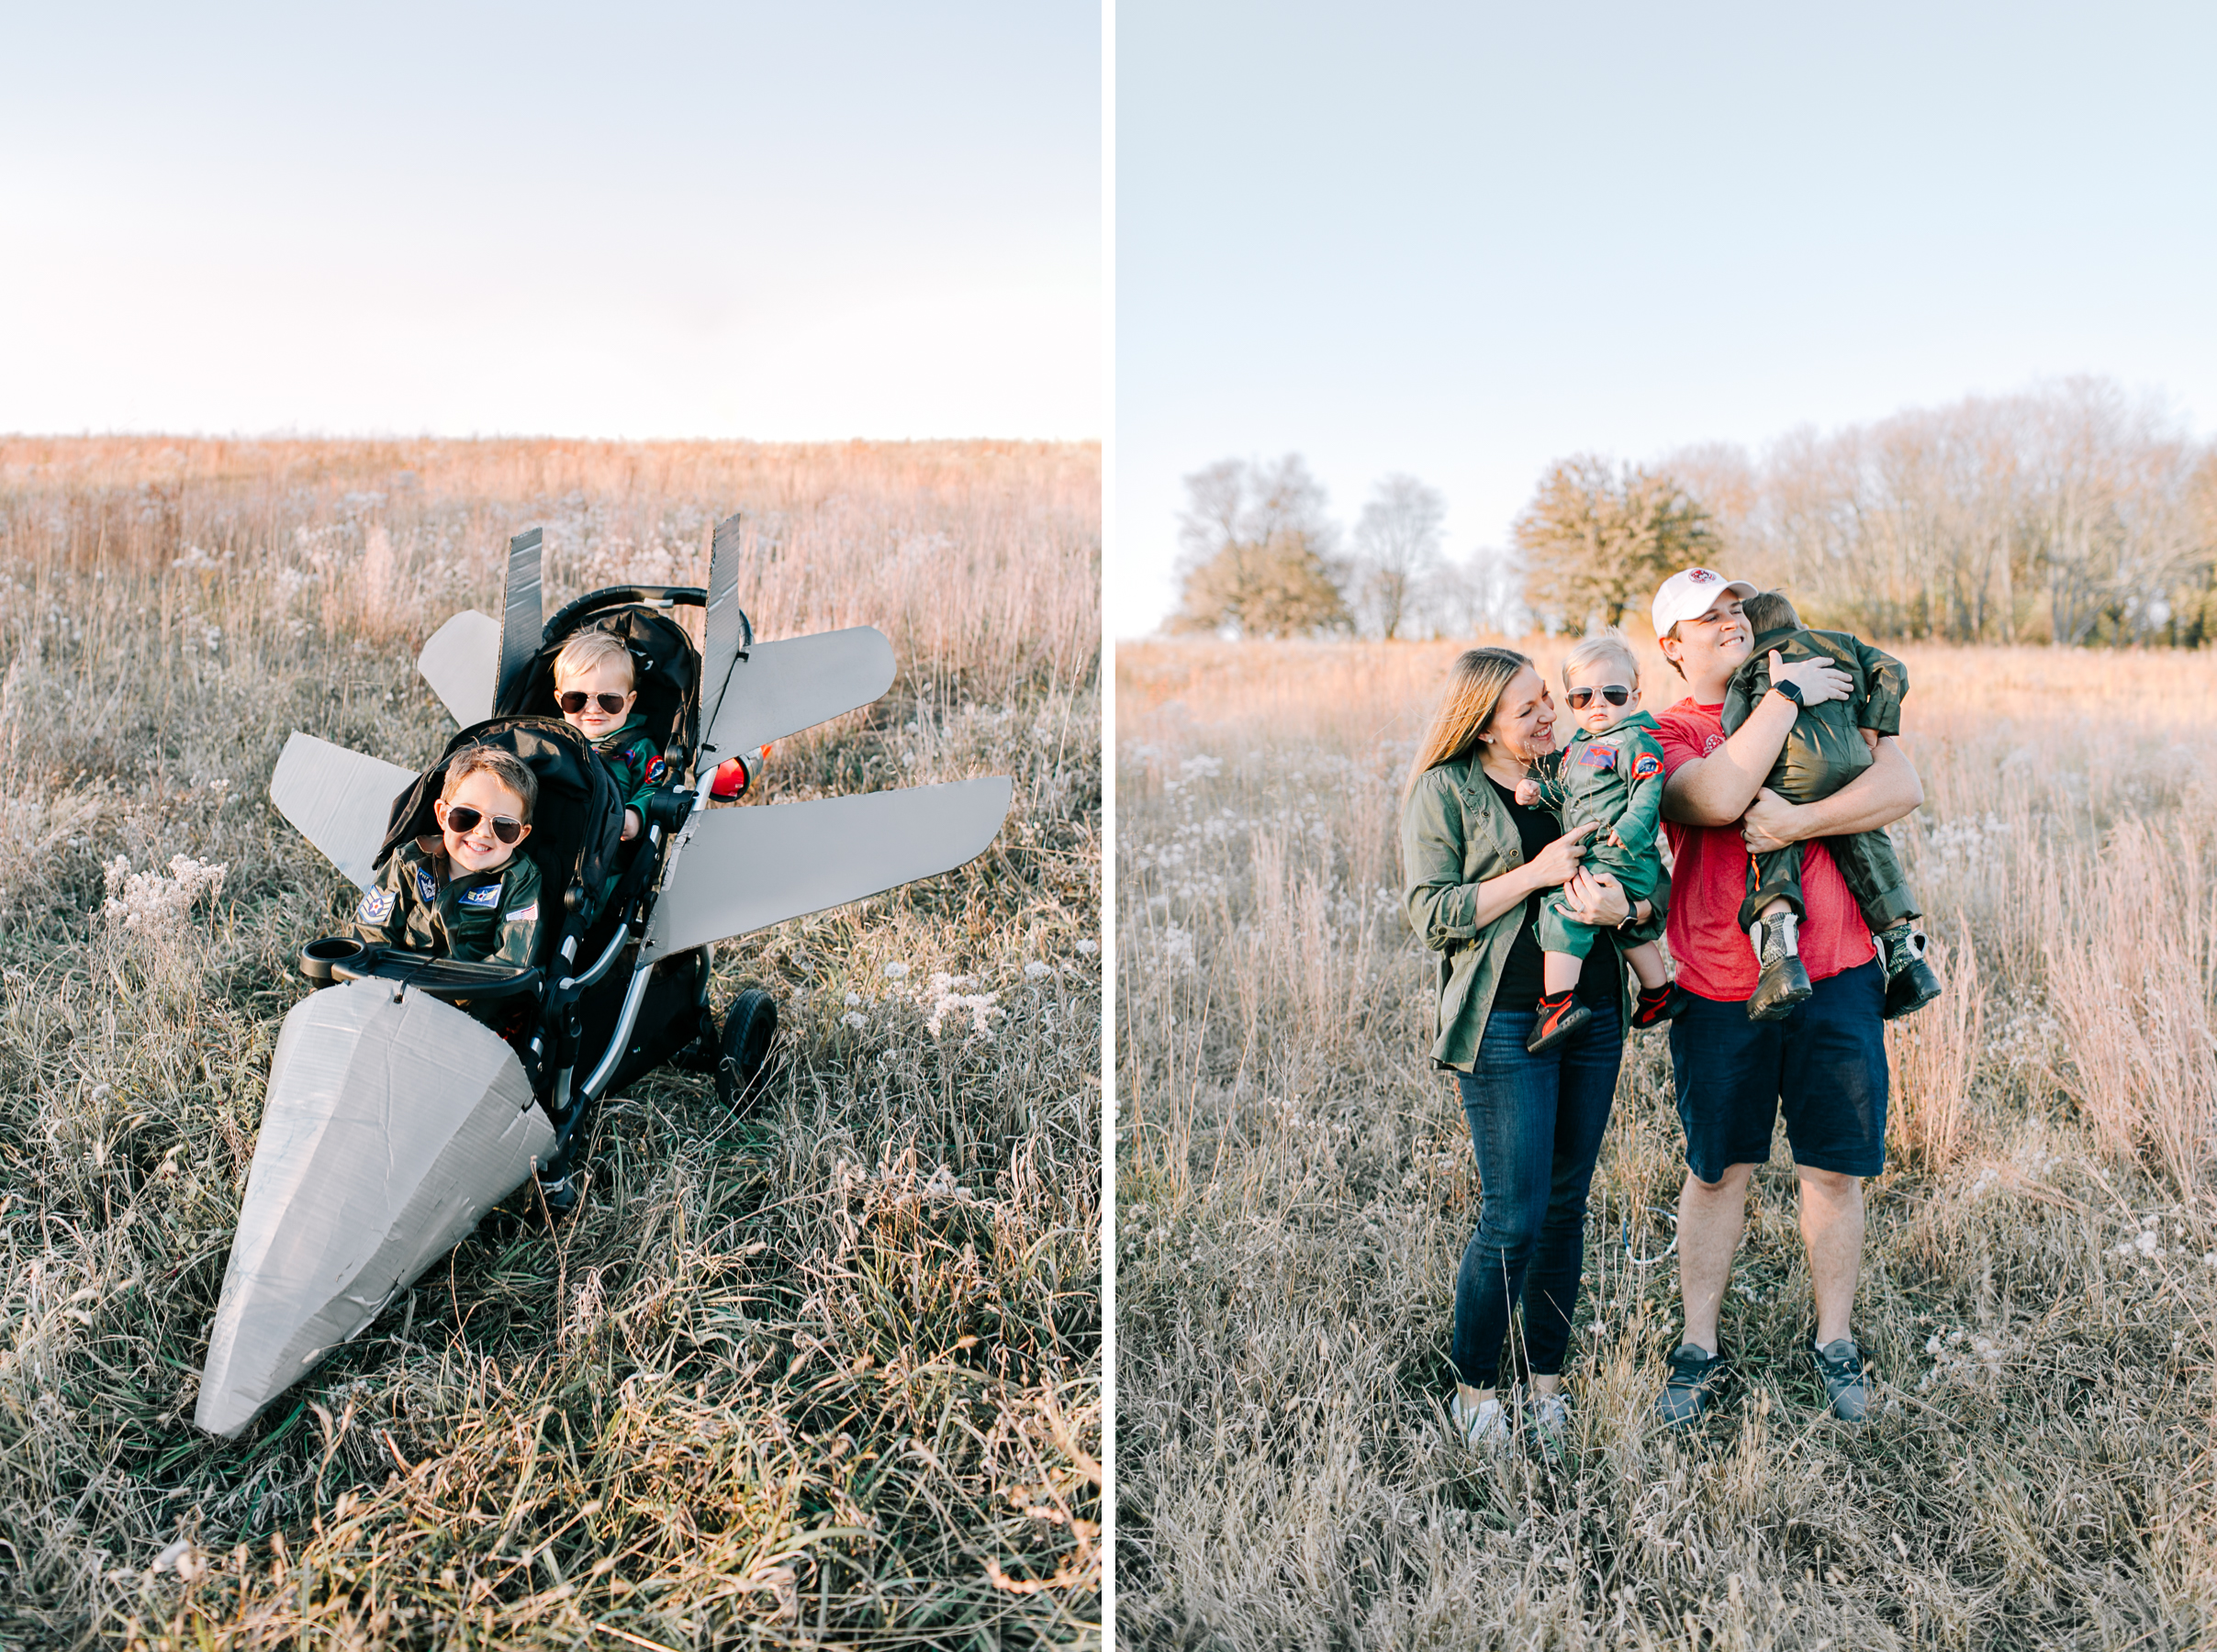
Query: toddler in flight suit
[[1827, 748], [1610, 774], [594, 687], [466, 893]]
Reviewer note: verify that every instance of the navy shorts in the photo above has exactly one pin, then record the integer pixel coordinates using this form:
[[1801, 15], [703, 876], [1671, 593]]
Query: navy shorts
[[1823, 1067]]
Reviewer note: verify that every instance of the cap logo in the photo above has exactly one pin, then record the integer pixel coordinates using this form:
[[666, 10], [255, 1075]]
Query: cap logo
[[1700, 576]]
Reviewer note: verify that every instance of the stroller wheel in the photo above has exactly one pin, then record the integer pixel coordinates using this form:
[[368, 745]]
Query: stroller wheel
[[745, 1044]]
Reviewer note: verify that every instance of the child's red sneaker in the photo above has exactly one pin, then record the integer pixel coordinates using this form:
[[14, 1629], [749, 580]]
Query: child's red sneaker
[[1559, 1018], [1658, 1005]]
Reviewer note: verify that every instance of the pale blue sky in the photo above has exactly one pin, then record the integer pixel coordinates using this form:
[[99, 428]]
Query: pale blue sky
[[765, 220], [1464, 241]]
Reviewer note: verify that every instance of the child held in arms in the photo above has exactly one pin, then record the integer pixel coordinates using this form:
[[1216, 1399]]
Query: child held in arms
[[1610, 774], [466, 893], [1828, 746], [594, 682]]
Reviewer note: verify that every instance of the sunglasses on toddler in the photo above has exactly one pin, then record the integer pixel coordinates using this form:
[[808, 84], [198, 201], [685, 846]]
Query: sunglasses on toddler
[[1580, 698], [574, 702], [461, 817]]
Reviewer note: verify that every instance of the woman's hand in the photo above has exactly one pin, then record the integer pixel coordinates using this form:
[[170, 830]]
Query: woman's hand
[[1596, 899], [1818, 679], [1558, 862], [1771, 822]]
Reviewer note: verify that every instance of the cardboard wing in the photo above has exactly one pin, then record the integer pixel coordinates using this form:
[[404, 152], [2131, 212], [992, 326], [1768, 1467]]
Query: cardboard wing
[[460, 662], [392, 1125], [783, 688], [340, 800], [520, 628], [736, 870]]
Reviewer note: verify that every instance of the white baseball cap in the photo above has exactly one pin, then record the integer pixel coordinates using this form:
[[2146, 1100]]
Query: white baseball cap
[[1690, 593]]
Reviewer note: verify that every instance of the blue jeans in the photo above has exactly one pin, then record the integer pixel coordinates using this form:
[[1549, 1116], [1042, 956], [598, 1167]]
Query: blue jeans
[[1536, 1125]]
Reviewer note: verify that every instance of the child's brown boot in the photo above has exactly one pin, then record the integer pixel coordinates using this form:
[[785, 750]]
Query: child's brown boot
[[1785, 982]]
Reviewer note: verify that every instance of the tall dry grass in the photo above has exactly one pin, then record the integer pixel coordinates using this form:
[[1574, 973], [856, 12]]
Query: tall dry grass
[[827, 1374], [1295, 1187]]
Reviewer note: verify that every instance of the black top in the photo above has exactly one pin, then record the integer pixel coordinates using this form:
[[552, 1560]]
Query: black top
[[1523, 978]]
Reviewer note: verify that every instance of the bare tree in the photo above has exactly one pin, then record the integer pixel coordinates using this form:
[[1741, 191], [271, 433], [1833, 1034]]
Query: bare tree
[[1257, 548], [1396, 551]]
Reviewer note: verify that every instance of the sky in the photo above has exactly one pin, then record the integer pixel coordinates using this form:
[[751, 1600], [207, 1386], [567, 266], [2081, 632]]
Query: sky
[[1464, 241], [756, 220]]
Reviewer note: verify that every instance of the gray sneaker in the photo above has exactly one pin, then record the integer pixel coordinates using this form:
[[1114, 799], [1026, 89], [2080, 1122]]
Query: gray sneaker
[[1695, 1382], [1551, 1419], [1846, 1381]]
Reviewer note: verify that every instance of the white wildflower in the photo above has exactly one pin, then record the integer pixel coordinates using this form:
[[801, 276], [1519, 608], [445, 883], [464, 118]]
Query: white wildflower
[[148, 903], [1088, 948], [1035, 970], [856, 1020], [853, 998], [948, 998], [896, 971]]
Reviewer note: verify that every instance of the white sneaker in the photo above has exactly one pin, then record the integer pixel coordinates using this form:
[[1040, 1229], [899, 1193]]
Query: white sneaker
[[1484, 1427]]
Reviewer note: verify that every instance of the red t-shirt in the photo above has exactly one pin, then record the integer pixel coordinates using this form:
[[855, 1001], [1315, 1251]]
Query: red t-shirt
[[1708, 881]]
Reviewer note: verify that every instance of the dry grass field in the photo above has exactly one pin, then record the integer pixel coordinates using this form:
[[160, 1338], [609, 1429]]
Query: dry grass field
[[2040, 1294], [827, 1374]]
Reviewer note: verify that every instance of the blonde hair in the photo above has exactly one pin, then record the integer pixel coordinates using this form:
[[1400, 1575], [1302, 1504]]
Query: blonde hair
[[587, 650], [1602, 646], [1475, 684], [508, 769]]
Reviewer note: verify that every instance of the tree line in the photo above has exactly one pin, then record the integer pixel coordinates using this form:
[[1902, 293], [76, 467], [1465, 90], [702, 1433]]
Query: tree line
[[2072, 513]]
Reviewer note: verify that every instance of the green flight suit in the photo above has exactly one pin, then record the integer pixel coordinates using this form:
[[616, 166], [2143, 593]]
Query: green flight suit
[[1615, 779], [1822, 753], [489, 917], [636, 760]]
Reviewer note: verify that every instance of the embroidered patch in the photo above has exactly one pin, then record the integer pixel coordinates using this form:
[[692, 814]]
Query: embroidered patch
[[427, 887], [656, 766], [486, 896], [376, 906], [1646, 767], [1597, 756], [1711, 743], [524, 914]]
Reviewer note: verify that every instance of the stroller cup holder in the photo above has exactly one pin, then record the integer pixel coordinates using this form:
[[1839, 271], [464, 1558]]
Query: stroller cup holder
[[344, 958]]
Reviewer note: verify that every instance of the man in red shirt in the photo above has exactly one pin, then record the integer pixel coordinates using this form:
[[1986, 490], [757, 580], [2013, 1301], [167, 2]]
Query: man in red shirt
[[1823, 1064]]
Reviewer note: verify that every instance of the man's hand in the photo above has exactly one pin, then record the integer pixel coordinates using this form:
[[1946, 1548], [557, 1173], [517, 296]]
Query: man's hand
[[1771, 822], [1818, 679]]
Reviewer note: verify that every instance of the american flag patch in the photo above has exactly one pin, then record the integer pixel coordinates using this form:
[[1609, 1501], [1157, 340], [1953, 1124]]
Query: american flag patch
[[1646, 767], [523, 914], [1597, 756]]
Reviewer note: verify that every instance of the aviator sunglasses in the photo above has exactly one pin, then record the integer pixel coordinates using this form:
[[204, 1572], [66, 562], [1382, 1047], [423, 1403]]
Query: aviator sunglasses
[[574, 702], [462, 818], [1580, 698]]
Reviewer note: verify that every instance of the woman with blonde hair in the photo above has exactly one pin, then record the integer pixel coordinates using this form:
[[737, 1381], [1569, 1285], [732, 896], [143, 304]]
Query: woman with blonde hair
[[1475, 865]]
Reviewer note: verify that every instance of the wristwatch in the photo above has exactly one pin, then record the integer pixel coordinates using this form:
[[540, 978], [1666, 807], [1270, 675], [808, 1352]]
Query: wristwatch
[[1789, 689]]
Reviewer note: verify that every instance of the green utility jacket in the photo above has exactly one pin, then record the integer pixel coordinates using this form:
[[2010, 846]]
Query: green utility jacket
[[490, 917], [637, 761], [1455, 834], [1824, 751]]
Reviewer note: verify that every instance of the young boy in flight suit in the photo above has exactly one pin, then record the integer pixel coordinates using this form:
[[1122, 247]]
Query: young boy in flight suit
[[1827, 748], [466, 893], [1611, 772]]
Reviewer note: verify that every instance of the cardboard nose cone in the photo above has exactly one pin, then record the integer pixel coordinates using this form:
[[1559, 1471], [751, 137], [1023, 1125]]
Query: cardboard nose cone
[[392, 1126]]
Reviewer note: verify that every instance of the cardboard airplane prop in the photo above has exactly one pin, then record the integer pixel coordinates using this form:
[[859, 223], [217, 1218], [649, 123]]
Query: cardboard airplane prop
[[394, 1120]]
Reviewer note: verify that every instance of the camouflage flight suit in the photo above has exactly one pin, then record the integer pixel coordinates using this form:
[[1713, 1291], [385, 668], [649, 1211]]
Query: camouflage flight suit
[[490, 917], [1822, 753], [1613, 778]]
